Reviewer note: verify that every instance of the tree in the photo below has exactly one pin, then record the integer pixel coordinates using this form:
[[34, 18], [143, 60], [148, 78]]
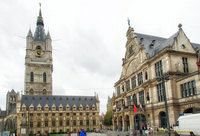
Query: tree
[[108, 118]]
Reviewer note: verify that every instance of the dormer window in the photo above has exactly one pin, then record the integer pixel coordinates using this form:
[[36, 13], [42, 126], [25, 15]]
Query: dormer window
[[67, 108], [81, 107], [141, 40], [93, 107], [31, 107], [60, 107], [74, 107], [152, 44], [23, 107], [53, 107], [183, 46], [46, 107], [87, 107], [39, 107]]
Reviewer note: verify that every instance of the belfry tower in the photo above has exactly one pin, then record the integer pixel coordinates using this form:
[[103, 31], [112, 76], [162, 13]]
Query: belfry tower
[[38, 61]]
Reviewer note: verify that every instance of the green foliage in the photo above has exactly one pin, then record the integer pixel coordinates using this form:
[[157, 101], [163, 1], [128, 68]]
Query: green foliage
[[108, 118]]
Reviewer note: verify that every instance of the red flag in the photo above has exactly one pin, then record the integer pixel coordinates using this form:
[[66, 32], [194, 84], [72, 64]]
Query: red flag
[[135, 109]]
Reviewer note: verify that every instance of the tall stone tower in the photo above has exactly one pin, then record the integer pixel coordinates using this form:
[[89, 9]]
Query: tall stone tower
[[38, 61]]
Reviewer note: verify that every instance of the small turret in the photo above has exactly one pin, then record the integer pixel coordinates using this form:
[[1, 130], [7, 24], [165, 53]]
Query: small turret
[[48, 35], [29, 33]]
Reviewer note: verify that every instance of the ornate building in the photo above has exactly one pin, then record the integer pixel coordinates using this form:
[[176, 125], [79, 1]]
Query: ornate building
[[146, 59], [38, 111]]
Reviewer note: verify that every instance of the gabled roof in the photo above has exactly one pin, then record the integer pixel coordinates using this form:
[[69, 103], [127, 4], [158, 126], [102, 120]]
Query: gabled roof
[[13, 91], [57, 100]]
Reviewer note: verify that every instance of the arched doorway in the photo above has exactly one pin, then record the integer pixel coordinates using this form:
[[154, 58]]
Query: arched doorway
[[139, 121], [9, 125], [163, 119], [115, 123], [127, 123], [189, 110]]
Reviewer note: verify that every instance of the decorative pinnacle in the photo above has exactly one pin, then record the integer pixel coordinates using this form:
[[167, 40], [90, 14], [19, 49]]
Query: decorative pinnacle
[[179, 26], [129, 22]]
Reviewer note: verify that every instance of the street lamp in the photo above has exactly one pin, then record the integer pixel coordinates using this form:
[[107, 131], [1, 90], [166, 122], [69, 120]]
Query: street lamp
[[159, 79]]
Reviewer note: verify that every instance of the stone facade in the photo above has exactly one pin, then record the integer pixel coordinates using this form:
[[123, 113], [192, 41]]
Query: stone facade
[[38, 111], [147, 58], [38, 61]]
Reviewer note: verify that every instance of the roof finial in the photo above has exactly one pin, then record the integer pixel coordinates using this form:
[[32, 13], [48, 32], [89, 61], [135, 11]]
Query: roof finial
[[129, 22], [179, 26], [40, 13]]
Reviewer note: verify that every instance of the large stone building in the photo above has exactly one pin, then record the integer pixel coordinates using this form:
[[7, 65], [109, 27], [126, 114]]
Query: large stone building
[[38, 111], [146, 58]]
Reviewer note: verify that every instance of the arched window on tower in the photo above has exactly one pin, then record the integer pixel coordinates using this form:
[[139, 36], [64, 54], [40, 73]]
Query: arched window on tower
[[44, 77], [31, 76]]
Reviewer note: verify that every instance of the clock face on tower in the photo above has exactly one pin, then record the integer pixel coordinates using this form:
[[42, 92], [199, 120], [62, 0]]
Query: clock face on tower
[[38, 52]]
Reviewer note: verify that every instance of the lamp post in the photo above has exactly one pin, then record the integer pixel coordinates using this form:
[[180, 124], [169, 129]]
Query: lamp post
[[163, 78]]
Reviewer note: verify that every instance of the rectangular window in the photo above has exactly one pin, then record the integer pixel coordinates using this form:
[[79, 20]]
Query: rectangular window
[[128, 100], [31, 76], [194, 88], [74, 122], [185, 65], [60, 122], [135, 99], [128, 85], [94, 122], [182, 91], [67, 123], [133, 81], [81, 123], [118, 91], [31, 124], [46, 114], [141, 97], [87, 122], [140, 78], [160, 92], [158, 68], [188, 89], [38, 124], [53, 123], [46, 123], [146, 76]]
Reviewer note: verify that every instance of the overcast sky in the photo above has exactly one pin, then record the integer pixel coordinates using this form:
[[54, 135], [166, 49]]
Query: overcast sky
[[89, 39]]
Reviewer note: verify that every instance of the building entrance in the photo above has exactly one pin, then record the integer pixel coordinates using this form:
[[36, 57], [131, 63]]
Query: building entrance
[[139, 121]]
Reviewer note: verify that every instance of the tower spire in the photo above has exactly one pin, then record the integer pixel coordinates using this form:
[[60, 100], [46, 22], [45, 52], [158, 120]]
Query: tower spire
[[40, 19]]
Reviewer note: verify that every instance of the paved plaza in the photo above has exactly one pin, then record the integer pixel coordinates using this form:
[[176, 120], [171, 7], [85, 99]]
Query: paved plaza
[[115, 133]]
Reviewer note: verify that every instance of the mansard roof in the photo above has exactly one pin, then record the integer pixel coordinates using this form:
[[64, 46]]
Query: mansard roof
[[159, 43], [57, 100]]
